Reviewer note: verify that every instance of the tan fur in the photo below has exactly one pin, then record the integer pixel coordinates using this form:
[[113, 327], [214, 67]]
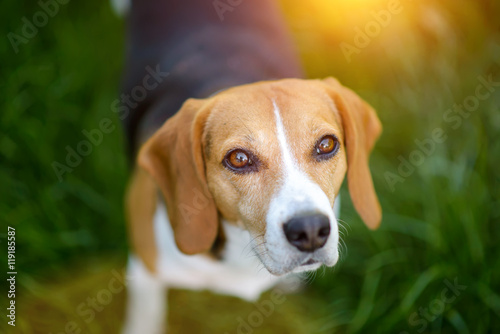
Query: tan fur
[[173, 157], [140, 206], [185, 156], [362, 128], [243, 117]]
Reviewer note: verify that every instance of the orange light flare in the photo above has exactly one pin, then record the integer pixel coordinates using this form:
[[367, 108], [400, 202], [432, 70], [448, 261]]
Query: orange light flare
[[340, 17], [329, 33]]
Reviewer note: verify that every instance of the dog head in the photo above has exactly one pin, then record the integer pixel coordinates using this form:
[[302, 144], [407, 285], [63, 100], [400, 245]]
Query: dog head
[[271, 157]]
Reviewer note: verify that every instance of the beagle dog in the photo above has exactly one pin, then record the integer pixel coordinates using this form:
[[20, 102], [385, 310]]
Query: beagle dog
[[238, 161]]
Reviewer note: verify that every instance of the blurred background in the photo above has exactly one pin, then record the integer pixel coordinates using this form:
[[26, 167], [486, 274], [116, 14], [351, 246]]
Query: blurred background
[[430, 68]]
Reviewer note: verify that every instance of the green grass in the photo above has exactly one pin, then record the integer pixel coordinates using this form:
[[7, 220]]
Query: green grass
[[441, 223]]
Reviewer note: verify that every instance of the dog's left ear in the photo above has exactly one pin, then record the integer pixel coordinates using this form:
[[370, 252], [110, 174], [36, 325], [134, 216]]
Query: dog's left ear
[[173, 156], [361, 129]]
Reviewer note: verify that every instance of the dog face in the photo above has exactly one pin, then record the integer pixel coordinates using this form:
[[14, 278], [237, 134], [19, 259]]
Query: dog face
[[275, 162], [269, 156]]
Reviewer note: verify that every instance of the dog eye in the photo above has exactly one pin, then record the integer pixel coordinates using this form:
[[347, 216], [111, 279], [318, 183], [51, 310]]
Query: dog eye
[[238, 161], [326, 147]]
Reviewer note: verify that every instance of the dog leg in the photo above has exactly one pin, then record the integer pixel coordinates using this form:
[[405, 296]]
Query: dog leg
[[146, 309], [121, 7]]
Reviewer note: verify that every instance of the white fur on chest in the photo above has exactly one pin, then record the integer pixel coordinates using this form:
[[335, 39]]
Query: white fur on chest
[[239, 273]]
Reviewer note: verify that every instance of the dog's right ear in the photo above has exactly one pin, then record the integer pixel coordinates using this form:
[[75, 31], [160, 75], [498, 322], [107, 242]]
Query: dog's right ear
[[173, 157]]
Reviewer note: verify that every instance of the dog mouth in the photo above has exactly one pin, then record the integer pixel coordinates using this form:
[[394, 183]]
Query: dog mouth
[[309, 265], [281, 264], [309, 262], [278, 268]]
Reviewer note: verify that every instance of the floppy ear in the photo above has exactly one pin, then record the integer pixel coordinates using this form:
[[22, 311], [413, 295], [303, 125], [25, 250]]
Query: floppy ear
[[361, 129], [173, 157]]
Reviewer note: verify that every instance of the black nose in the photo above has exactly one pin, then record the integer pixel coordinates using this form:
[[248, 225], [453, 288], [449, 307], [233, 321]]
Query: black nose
[[309, 232]]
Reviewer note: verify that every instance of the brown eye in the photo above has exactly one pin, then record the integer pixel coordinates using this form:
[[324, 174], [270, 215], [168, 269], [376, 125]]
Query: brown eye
[[327, 147], [238, 159], [241, 161]]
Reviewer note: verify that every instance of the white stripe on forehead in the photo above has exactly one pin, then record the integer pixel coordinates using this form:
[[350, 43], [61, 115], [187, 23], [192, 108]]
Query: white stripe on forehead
[[297, 187], [288, 160], [297, 195]]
